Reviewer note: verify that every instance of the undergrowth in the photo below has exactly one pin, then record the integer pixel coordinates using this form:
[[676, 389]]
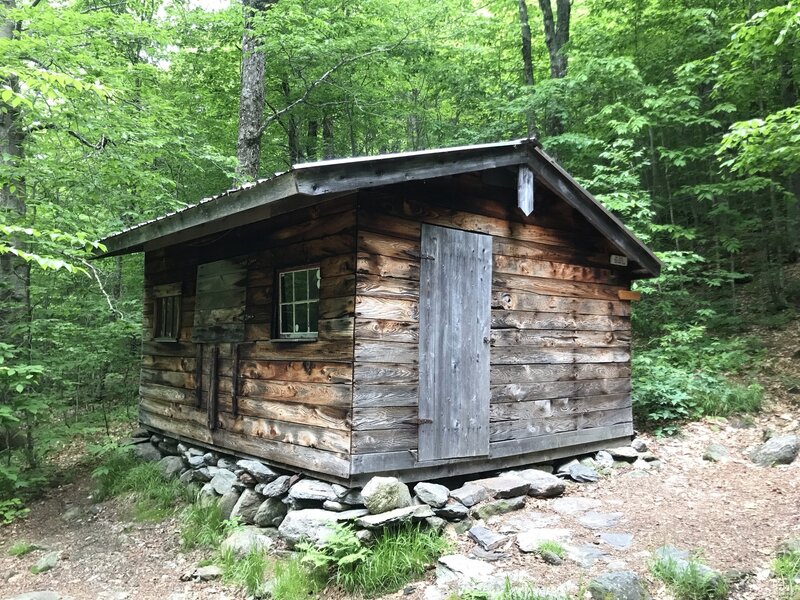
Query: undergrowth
[[155, 497], [787, 568], [293, 580], [20, 549], [551, 547], [690, 581], [203, 525], [509, 592], [248, 571]]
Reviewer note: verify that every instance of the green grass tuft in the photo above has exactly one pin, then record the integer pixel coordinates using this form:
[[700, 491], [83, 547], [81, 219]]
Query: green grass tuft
[[787, 568], [248, 571], [690, 582], [202, 525], [20, 549], [552, 547], [293, 580]]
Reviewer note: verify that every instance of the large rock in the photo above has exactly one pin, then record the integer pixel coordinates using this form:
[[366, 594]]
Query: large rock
[[170, 466], [227, 502], [715, 453], [223, 481], [382, 494], [459, 568], [260, 472], [146, 452], [242, 541], [583, 473], [246, 507], [541, 484], [397, 515], [486, 538], [572, 505], [452, 511], [780, 450], [46, 562], [270, 513], [498, 507], [470, 494], [313, 524], [432, 494], [626, 453], [504, 486], [311, 490], [598, 520], [276, 488]]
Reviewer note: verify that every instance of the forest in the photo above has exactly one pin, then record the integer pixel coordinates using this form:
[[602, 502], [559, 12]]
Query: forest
[[682, 117]]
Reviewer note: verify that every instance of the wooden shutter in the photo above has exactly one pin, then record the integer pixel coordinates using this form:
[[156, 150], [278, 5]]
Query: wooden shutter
[[454, 328], [220, 302]]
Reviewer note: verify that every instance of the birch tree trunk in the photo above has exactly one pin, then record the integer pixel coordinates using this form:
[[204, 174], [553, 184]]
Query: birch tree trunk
[[251, 94]]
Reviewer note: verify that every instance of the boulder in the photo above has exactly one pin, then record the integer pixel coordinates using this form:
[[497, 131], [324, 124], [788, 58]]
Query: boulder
[[780, 450], [621, 585], [397, 515], [583, 474], [227, 502], [275, 488], [170, 466], [312, 490], [314, 525], [242, 541], [260, 472], [498, 507], [459, 568], [639, 445], [46, 562], [223, 481], [604, 460], [470, 494], [432, 494], [504, 486], [207, 573], [563, 469], [680, 560], [246, 507], [270, 513], [626, 453], [348, 495], [452, 511], [541, 484], [486, 538], [146, 452], [228, 465], [382, 494], [196, 462]]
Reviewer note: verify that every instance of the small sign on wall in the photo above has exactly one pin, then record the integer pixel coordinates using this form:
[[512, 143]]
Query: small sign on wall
[[620, 261]]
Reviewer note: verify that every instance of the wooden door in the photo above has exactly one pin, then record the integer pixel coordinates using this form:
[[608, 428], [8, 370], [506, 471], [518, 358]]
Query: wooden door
[[454, 328]]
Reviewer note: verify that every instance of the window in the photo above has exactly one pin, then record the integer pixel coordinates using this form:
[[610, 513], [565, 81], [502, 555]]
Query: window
[[298, 303], [167, 312]]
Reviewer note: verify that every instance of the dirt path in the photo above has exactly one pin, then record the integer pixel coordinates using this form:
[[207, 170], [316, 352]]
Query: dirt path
[[733, 511]]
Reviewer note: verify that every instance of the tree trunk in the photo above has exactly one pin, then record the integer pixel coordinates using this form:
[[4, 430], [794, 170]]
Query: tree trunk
[[556, 36], [327, 137], [251, 94], [311, 140], [527, 60]]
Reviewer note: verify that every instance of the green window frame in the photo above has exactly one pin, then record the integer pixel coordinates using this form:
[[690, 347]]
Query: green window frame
[[298, 303]]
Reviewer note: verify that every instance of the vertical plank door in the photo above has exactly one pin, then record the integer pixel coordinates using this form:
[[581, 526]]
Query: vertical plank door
[[454, 328]]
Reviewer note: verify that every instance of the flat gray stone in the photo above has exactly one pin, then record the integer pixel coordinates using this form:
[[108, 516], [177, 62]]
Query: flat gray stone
[[626, 453], [604, 460], [311, 490], [621, 585], [583, 474], [273, 489], [457, 567], [170, 466], [382, 494], [242, 541], [598, 520], [260, 472], [584, 555], [246, 507], [336, 506], [504, 486], [397, 515], [541, 484], [564, 469], [270, 513], [529, 540], [228, 465], [223, 481], [618, 541], [452, 511], [146, 452], [195, 462], [46, 595], [780, 450], [207, 573], [498, 507], [432, 494], [470, 494], [573, 505], [486, 538], [46, 562]]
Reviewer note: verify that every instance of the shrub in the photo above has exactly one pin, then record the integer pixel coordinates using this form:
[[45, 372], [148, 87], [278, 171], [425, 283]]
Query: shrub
[[693, 581]]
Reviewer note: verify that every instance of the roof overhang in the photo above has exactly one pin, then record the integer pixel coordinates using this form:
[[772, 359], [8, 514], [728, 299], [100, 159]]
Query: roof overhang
[[310, 183]]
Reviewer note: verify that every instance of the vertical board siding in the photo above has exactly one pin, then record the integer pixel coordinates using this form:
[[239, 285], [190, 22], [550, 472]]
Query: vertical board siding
[[560, 336], [293, 399], [455, 290]]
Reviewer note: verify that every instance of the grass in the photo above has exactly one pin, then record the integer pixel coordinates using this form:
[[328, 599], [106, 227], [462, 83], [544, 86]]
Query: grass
[[202, 525], [787, 568], [689, 581], [552, 547], [736, 399], [293, 580], [509, 592], [248, 571], [155, 497], [20, 549]]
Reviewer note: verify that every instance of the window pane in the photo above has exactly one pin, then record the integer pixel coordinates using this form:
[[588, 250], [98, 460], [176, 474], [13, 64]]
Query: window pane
[[286, 319], [301, 318], [287, 294], [313, 317], [300, 286], [313, 283]]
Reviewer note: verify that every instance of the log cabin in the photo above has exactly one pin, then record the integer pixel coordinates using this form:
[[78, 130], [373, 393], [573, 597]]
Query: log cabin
[[423, 314]]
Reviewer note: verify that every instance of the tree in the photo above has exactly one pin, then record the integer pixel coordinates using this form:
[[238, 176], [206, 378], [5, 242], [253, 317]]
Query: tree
[[527, 59], [556, 37]]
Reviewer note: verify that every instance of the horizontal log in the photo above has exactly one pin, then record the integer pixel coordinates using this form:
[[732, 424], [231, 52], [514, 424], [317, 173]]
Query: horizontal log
[[517, 319], [385, 245], [543, 409], [555, 287], [522, 392], [383, 394], [320, 394], [178, 379], [558, 304], [555, 338], [503, 374], [570, 255], [320, 350], [511, 355], [384, 417], [528, 267], [297, 371], [386, 308], [325, 417], [167, 393], [384, 373], [384, 330], [386, 287], [169, 363], [387, 266], [384, 440], [389, 352], [514, 430]]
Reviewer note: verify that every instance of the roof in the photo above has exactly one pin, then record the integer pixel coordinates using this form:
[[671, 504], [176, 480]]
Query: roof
[[310, 183]]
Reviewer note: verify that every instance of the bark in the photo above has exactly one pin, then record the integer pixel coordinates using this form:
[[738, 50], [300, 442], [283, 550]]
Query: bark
[[556, 36], [311, 140], [251, 95], [527, 60], [327, 137]]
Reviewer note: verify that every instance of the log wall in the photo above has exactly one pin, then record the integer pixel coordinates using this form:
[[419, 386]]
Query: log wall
[[293, 398], [560, 336]]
